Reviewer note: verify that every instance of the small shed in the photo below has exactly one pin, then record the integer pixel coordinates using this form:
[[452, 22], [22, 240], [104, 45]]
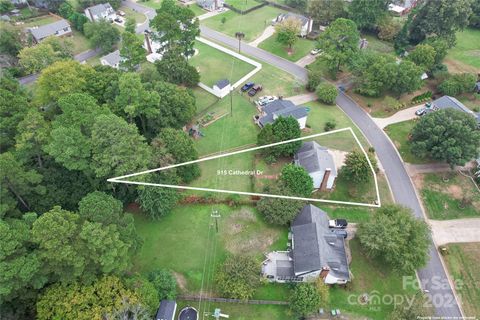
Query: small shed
[[166, 310], [222, 87]]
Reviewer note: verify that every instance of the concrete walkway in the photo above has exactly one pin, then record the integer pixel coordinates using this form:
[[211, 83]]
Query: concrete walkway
[[306, 60], [302, 98], [400, 116], [267, 33], [211, 14], [454, 231]]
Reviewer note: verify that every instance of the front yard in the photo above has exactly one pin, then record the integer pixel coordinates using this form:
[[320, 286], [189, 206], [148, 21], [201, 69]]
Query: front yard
[[215, 65], [252, 24], [448, 195], [462, 262], [243, 4], [301, 48], [399, 133]]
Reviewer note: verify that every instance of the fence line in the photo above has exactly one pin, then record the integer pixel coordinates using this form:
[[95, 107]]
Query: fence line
[[213, 299]]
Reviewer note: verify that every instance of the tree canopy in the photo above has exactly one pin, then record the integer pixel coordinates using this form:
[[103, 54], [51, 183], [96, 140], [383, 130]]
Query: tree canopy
[[368, 13], [304, 299], [297, 180], [287, 31], [282, 129], [238, 277]]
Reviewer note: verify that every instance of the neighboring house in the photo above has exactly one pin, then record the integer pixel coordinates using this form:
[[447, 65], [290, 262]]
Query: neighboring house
[[281, 108], [18, 2], [306, 24], [211, 5], [167, 310], [112, 59], [316, 251], [447, 102], [401, 7], [58, 28], [152, 47], [101, 11], [222, 87], [43, 4], [319, 164]]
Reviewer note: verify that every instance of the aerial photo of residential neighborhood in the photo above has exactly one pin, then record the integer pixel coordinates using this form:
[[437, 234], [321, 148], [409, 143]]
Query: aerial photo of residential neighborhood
[[239, 159]]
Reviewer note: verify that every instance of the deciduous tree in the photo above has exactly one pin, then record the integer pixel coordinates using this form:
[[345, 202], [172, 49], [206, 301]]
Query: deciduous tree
[[287, 32], [423, 56], [279, 211], [357, 168], [174, 68], [326, 11], [297, 180], [304, 299], [395, 236], [282, 129], [32, 134], [457, 84], [238, 277], [102, 34], [327, 92], [367, 13], [164, 282], [131, 51], [10, 39]]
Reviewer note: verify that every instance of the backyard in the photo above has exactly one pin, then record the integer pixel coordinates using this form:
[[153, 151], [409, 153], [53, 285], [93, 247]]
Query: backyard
[[154, 4], [462, 262], [215, 65], [243, 4], [300, 49], [252, 24], [448, 195], [465, 56]]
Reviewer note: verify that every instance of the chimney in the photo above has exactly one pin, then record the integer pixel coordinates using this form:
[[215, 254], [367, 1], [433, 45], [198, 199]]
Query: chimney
[[323, 185]]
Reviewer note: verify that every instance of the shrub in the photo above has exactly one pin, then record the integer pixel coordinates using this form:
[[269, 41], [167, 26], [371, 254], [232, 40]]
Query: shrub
[[330, 125], [326, 92], [458, 84]]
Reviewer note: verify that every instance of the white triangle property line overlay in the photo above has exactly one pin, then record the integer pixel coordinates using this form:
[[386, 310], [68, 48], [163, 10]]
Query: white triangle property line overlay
[[377, 205]]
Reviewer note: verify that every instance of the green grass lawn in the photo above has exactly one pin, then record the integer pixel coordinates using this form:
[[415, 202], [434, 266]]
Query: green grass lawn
[[399, 133], [80, 42], [203, 99], [252, 24], [129, 13], [462, 262], [442, 198], [378, 45], [179, 241], [38, 21], [197, 9], [154, 4], [465, 56], [240, 311], [301, 48], [215, 65], [243, 4]]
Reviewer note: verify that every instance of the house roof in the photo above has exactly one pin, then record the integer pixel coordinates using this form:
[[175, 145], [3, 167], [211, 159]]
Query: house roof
[[47, 30], [281, 108], [113, 58], [314, 158], [315, 246], [222, 83], [287, 15], [166, 311], [99, 9]]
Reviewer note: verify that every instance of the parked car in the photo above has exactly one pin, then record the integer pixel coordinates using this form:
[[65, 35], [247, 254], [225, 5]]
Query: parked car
[[315, 51], [121, 13], [253, 91], [247, 86], [118, 20], [341, 232], [420, 112], [338, 223], [266, 100]]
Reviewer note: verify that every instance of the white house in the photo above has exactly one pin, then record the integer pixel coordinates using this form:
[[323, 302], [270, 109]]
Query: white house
[[112, 59], [58, 28], [211, 5], [281, 108], [306, 24], [319, 164], [315, 251], [101, 11], [152, 46]]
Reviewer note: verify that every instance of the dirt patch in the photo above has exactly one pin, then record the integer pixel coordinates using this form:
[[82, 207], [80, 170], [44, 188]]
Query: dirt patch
[[455, 66], [455, 191], [181, 281], [418, 181]]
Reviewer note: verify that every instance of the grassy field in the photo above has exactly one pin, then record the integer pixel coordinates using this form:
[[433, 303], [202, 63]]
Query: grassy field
[[215, 65], [179, 241], [442, 198], [80, 42], [243, 4], [38, 21], [154, 4], [197, 9], [378, 45], [399, 133], [129, 13], [465, 56], [462, 262], [251, 24], [301, 48]]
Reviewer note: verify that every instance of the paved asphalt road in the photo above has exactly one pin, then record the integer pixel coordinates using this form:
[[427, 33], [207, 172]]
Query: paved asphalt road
[[433, 277]]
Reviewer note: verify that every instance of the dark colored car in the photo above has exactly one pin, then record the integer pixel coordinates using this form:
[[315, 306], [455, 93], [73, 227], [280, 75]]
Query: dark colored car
[[341, 232], [247, 86], [338, 223], [253, 91]]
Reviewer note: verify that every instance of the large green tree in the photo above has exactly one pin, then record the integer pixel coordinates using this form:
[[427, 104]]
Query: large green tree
[[175, 28], [238, 277], [396, 237], [339, 43], [457, 84], [131, 52], [368, 13], [164, 282], [174, 68], [287, 32], [304, 299], [423, 56], [102, 34], [446, 135], [356, 168], [279, 211], [297, 180], [326, 92], [282, 129], [326, 11], [32, 134], [36, 58], [10, 39], [177, 106]]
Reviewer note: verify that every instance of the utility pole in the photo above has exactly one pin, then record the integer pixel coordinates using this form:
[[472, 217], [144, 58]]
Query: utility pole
[[231, 102], [215, 215]]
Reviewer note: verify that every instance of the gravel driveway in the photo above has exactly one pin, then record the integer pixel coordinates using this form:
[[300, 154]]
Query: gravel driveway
[[459, 230]]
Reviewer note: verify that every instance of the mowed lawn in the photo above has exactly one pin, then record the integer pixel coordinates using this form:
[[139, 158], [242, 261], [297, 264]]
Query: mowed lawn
[[197, 9], [180, 241], [465, 56], [252, 24], [299, 50], [442, 195], [154, 4], [243, 4], [462, 262], [399, 133], [215, 65]]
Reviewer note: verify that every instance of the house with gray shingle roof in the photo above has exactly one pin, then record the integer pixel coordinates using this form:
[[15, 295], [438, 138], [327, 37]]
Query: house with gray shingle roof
[[447, 102], [166, 310], [316, 251], [282, 108], [319, 164], [100, 11], [58, 28], [211, 5], [112, 59], [306, 24]]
